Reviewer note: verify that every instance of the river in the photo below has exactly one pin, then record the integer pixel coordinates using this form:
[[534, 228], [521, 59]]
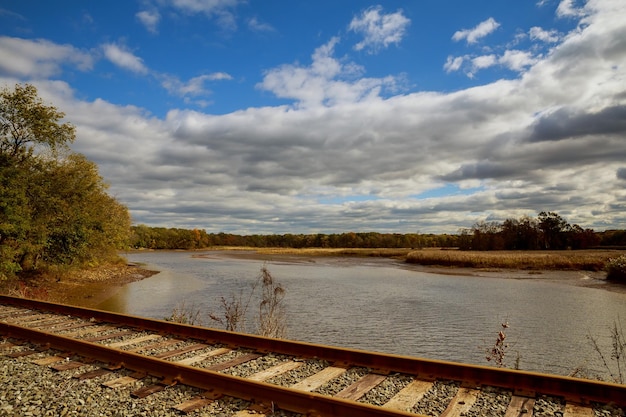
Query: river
[[386, 306]]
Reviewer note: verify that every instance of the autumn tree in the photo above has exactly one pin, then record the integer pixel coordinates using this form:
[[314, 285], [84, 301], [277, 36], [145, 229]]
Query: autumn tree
[[27, 123], [54, 209]]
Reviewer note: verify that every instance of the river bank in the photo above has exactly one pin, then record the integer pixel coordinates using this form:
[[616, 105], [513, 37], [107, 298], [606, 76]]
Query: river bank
[[86, 288]]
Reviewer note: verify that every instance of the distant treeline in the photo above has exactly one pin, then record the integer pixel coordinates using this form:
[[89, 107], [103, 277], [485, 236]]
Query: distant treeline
[[167, 238], [549, 231]]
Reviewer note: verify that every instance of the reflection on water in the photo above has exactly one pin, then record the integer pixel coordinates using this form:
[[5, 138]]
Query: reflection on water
[[378, 305]]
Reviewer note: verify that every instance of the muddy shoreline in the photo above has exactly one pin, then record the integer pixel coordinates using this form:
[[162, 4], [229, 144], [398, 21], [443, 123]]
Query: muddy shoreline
[[87, 288]]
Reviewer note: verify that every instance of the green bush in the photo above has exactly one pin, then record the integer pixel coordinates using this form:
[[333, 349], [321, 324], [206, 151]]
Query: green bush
[[616, 269]]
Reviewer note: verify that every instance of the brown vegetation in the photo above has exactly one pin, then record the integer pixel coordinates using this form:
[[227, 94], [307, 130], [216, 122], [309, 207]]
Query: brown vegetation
[[271, 320], [357, 252], [588, 260]]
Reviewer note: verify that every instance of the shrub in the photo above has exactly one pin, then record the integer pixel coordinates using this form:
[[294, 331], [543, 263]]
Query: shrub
[[616, 269]]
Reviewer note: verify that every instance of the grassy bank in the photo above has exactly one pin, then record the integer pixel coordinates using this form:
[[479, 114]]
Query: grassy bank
[[587, 260], [362, 252]]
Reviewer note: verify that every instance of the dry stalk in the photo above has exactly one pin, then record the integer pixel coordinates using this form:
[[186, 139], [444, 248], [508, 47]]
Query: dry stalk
[[271, 308], [615, 362], [186, 315], [498, 351], [271, 314]]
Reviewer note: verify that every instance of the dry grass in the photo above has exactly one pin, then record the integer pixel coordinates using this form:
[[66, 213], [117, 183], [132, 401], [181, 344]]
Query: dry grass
[[589, 260], [361, 252]]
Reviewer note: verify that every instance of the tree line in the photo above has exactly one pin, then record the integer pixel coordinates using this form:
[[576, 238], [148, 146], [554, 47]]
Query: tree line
[[520, 234], [54, 208], [146, 237]]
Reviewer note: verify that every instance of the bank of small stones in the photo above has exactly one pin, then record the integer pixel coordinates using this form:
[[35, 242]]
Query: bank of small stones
[[28, 389]]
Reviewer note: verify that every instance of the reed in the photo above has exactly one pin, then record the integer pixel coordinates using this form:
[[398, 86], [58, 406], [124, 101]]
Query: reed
[[361, 252], [589, 260]]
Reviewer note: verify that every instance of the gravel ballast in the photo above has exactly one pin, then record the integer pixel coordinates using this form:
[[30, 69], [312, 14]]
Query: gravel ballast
[[30, 389]]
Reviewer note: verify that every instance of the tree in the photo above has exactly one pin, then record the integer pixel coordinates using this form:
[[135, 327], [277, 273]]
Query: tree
[[87, 224], [553, 228], [26, 123], [54, 208]]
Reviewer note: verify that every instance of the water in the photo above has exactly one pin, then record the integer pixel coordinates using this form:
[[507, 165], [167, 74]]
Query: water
[[384, 306]]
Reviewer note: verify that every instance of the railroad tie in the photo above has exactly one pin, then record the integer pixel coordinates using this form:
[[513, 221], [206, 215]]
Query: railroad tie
[[317, 380], [577, 410], [461, 403], [520, 407], [361, 386], [409, 395], [197, 402]]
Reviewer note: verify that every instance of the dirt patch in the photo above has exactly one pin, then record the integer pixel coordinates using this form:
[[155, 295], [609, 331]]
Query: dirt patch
[[86, 288]]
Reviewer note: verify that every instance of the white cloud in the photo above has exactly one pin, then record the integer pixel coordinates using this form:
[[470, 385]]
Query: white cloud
[[484, 61], [150, 19], [567, 8], [517, 60], [219, 9], [514, 60], [480, 31], [205, 6], [256, 25], [538, 34], [123, 58], [453, 63], [327, 81], [379, 30], [40, 58], [194, 87]]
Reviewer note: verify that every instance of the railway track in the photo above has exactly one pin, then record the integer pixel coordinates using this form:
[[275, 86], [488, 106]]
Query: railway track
[[271, 374]]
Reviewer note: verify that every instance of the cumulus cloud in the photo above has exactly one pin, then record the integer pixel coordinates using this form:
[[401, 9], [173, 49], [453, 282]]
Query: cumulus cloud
[[150, 19], [123, 58], [453, 63], [483, 29], [567, 8], [538, 34], [514, 60], [484, 61], [379, 30], [517, 60], [40, 58], [347, 157], [327, 81], [194, 87], [567, 123]]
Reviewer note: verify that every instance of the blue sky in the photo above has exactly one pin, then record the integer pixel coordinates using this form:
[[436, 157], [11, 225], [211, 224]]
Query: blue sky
[[288, 117]]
